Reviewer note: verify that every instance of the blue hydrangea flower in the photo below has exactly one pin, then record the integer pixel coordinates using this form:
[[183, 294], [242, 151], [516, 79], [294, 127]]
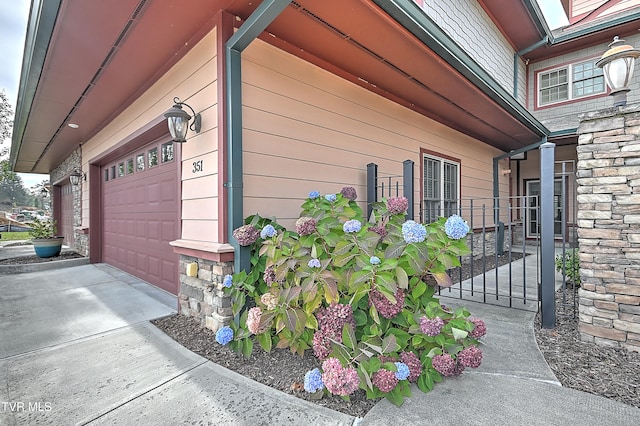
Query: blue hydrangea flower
[[403, 371], [268, 231], [374, 260], [314, 263], [456, 227], [413, 232], [330, 197], [228, 281], [314, 194], [313, 381], [224, 335], [352, 226]]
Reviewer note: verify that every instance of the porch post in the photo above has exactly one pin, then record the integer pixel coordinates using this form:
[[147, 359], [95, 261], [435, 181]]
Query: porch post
[[372, 187], [547, 274], [407, 187]]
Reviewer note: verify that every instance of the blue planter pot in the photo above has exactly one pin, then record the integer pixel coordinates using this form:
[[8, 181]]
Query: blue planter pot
[[47, 247]]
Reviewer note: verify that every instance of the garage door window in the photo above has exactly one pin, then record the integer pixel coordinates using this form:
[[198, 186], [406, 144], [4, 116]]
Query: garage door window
[[167, 152], [153, 157], [140, 162], [120, 169]]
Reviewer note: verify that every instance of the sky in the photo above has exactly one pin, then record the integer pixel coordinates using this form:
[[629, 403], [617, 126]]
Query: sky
[[13, 22]]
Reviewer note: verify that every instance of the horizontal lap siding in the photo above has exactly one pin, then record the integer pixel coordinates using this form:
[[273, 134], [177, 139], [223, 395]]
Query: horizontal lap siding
[[306, 129], [193, 80]]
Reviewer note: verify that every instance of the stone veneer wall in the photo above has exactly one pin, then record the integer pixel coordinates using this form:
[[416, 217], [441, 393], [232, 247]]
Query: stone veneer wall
[[201, 296], [74, 161], [608, 181]]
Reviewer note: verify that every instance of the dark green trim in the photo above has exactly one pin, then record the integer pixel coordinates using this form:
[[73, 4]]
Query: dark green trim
[[411, 17], [42, 20], [264, 15], [596, 28], [565, 132]]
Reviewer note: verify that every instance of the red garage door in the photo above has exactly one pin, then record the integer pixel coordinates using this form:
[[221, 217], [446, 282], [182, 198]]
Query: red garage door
[[141, 214]]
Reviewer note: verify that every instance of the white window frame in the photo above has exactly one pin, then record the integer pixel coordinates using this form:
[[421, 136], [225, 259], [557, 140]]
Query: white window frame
[[570, 82], [445, 207]]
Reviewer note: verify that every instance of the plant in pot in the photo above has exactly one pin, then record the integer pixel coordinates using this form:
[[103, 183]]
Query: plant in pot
[[43, 236]]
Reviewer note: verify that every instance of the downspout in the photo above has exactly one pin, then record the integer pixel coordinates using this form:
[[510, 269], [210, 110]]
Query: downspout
[[260, 19], [496, 188], [518, 55]]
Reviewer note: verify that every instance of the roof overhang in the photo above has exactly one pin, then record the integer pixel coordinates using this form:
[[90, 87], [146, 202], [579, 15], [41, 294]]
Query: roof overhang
[[85, 61]]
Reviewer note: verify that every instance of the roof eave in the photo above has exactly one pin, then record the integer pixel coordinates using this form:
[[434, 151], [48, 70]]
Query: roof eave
[[40, 27], [410, 16]]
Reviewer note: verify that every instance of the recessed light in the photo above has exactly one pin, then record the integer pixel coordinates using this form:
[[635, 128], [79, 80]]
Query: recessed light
[[73, 125]]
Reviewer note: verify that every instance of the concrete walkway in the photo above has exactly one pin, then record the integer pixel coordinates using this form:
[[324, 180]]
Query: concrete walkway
[[77, 348]]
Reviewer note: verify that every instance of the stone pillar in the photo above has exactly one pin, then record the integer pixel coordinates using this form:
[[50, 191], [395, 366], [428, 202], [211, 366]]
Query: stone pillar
[[608, 179], [202, 296]]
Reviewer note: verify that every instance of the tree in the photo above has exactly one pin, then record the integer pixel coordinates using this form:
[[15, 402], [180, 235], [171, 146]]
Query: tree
[[12, 192]]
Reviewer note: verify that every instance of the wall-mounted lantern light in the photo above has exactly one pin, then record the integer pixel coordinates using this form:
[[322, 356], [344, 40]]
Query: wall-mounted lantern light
[[617, 64], [178, 121], [76, 176]]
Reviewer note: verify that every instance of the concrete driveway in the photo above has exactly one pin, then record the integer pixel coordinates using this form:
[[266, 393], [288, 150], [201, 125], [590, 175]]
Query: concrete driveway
[[76, 347]]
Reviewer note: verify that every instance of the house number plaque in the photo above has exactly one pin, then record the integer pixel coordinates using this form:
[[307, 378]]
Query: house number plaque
[[197, 166]]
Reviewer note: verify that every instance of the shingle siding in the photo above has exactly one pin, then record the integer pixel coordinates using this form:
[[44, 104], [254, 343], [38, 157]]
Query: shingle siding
[[565, 116], [471, 28]]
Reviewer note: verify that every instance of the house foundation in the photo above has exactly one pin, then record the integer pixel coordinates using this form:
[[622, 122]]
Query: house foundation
[[608, 178]]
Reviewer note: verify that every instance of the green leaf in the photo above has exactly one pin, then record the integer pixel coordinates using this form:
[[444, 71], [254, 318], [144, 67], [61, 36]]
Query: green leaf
[[361, 276], [247, 348], [385, 281], [395, 397], [265, 341], [402, 278], [389, 344], [443, 279], [418, 290], [364, 376], [395, 250], [374, 314], [348, 336], [360, 318], [343, 247], [459, 334]]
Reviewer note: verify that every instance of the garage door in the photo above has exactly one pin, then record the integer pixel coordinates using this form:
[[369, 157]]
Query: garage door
[[141, 214]]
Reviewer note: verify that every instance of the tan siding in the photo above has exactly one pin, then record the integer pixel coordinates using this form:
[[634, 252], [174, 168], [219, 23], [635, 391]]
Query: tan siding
[[584, 6], [193, 80], [307, 129]]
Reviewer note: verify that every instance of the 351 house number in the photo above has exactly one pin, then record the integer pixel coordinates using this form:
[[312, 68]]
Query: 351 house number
[[197, 166]]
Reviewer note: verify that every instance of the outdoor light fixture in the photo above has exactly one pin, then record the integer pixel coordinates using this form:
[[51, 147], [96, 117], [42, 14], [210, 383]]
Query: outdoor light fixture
[[75, 177], [617, 64], [178, 119]]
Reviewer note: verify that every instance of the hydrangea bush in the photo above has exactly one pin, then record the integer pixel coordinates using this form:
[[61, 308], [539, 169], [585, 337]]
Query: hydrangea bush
[[358, 294]]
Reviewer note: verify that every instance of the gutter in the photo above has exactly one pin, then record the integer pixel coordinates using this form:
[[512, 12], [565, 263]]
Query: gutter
[[411, 17], [518, 55], [260, 19], [42, 19]]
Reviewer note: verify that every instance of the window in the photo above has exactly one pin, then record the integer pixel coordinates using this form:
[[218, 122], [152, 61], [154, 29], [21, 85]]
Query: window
[[571, 82], [113, 172], [441, 187], [167, 152], [120, 169], [106, 175], [152, 156], [140, 162], [130, 166]]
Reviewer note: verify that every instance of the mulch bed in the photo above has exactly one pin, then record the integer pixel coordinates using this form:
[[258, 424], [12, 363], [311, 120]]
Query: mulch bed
[[25, 260], [600, 370]]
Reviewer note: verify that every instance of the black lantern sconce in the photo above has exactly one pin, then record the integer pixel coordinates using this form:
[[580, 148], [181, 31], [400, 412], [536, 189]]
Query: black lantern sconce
[[76, 176], [617, 65], [178, 121]]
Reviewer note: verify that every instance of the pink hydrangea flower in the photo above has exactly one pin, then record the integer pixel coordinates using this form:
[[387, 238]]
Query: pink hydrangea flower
[[479, 329], [470, 357], [246, 235], [397, 205], [305, 226], [431, 326], [444, 365], [339, 380], [384, 380], [414, 364], [384, 306], [269, 275], [253, 321], [349, 192], [269, 300]]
